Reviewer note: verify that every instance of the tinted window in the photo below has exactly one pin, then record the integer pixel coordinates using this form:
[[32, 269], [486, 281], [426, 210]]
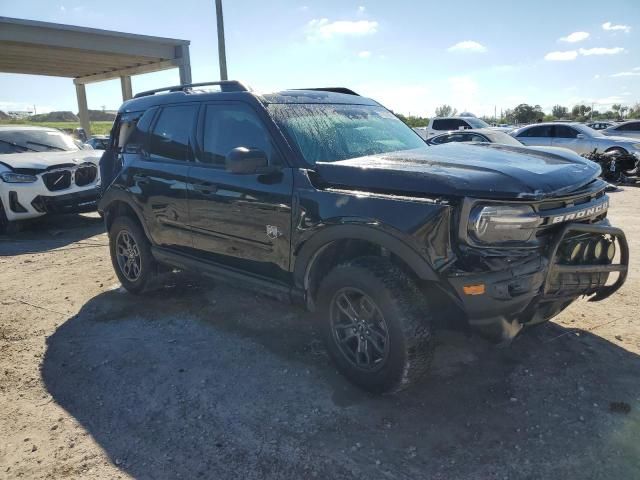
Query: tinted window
[[449, 124], [170, 136], [631, 127], [563, 131], [540, 131], [459, 137], [228, 126], [133, 128]]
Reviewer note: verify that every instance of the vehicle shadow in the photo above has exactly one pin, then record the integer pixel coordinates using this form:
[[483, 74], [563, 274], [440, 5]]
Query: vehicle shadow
[[51, 232], [201, 381]]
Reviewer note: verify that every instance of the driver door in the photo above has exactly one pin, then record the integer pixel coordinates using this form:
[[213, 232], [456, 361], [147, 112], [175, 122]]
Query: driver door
[[240, 220]]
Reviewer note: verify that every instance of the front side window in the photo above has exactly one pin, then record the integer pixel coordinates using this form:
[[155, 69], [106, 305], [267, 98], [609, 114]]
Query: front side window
[[35, 140], [563, 131], [229, 126], [334, 132], [170, 136]]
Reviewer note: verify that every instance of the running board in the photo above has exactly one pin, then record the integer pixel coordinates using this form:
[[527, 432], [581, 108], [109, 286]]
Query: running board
[[229, 276]]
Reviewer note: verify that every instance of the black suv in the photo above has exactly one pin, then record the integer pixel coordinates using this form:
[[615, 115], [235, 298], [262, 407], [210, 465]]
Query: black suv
[[325, 198]]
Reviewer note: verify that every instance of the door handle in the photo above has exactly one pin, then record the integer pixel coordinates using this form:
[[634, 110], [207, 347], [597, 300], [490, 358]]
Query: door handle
[[205, 188]]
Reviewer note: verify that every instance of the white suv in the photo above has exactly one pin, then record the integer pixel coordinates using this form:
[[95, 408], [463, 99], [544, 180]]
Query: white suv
[[42, 170], [439, 125]]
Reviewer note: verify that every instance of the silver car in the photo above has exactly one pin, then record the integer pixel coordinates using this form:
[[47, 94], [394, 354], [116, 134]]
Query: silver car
[[484, 135], [626, 129], [576, 137]]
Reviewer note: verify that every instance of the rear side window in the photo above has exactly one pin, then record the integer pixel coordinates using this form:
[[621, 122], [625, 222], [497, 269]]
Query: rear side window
[[131, 132], [170, 137], [228, 126], [631, 127], [540, 131], [449, 124]]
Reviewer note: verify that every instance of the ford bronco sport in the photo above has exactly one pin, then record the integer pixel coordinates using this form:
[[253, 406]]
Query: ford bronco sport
[[325, 198]]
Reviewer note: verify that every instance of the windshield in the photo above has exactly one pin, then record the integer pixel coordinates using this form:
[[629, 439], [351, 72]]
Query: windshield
[[32, 140], [503, 138], [476, 122], [590, 132], [331, 132]]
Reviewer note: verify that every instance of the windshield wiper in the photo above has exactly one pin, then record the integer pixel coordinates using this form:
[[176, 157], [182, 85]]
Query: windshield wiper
[[46, 145], [14, 144]]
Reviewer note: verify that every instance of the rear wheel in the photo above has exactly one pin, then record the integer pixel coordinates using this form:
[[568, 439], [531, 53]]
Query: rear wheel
[[372, 325], [131, 255]]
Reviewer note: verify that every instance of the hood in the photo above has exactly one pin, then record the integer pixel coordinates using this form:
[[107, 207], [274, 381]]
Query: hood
[[44, 160], [481, 170]]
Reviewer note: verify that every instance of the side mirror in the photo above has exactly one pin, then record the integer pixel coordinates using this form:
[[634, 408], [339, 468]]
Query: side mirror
[[243, 160], [580, 136]]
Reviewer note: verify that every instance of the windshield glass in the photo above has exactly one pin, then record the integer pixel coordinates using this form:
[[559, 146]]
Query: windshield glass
[[28, 140], [476, 122], [329, 133], [591, 132], [503, 138]]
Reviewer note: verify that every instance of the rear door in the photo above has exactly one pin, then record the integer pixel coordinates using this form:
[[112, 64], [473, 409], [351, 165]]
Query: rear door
[[240, 220], [158, 174], [566, 136], [539, 135]]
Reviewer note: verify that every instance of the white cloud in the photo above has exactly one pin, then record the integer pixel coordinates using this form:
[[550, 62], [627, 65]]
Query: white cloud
[[625, 74], [322, 28], [609, 100], [468, 46], [596, 76], [575, 37], [600, 51], [414, 99], [361, 9], [561, 56], [616, 28], [364, 54], [636, 69]]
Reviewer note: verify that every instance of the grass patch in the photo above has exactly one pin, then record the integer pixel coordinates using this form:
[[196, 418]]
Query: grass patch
[[97, 128]]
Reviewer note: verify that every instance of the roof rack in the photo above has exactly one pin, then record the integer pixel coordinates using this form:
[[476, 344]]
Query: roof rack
[[225, 86], [346, 91]]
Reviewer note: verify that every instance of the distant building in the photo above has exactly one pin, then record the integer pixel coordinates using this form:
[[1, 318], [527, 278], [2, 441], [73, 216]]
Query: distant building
[[20, 114]]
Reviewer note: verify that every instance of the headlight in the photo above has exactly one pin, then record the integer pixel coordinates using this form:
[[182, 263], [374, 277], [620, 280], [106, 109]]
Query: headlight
[[11, 177], [495, 225]]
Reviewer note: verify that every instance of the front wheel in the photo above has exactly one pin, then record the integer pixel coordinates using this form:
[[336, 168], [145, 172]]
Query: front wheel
[[373, 326], [131, 255]]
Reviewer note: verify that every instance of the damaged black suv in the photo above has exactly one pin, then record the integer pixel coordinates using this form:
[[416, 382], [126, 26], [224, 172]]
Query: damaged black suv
[[325, 198]]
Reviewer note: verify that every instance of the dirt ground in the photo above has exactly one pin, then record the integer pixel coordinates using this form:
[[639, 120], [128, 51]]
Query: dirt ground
[[202, 381]]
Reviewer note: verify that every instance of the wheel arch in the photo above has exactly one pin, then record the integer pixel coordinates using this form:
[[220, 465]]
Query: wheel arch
[[339, 243], [116, 206]]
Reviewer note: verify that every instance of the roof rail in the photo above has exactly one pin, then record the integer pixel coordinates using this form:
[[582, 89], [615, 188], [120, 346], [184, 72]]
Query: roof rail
[[225, 86], [346, 91]]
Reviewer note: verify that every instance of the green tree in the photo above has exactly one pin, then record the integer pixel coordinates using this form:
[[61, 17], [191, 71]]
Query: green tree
[[413, 121], [446, 111], [558, 111], [525, 113]]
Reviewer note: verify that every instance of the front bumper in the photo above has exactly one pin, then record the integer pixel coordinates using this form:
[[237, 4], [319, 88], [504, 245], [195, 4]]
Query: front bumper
[[78, 202], [538, 289]]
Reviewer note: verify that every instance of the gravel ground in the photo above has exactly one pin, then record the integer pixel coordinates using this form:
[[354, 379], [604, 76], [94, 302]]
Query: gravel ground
[[198, 380]]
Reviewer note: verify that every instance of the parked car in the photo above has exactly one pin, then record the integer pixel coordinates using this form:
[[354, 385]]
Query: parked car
[[444, 124], [600, 125], [574, 136], [42, 170], [325, 198], [625, 129], [98, 142], [483, 135]]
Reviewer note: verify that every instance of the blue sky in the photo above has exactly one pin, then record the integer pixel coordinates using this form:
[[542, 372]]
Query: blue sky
[[411, 56]]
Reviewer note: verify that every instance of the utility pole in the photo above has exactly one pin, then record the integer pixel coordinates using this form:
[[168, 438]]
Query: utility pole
[[222, 56]]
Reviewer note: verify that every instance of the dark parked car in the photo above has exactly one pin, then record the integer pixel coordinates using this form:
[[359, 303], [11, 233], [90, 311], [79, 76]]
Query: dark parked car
[[325, 198], [98, 142]]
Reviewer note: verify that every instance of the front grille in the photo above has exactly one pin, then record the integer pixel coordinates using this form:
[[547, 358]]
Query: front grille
[[85, 175], [57, 180]]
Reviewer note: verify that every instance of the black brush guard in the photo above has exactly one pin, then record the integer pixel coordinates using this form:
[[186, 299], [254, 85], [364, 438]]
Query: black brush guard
[[621, 268]]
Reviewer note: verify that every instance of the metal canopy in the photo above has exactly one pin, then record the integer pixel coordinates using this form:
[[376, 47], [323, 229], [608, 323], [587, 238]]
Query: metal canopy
[[87, 55]]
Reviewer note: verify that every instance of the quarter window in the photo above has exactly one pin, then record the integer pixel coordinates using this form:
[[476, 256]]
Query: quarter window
[[228, 126], [170, 136], [563, 131]]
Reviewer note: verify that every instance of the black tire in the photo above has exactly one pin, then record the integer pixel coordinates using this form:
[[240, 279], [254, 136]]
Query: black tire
[[135, 280], [618, 150], [407, 347], [7, 227]]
